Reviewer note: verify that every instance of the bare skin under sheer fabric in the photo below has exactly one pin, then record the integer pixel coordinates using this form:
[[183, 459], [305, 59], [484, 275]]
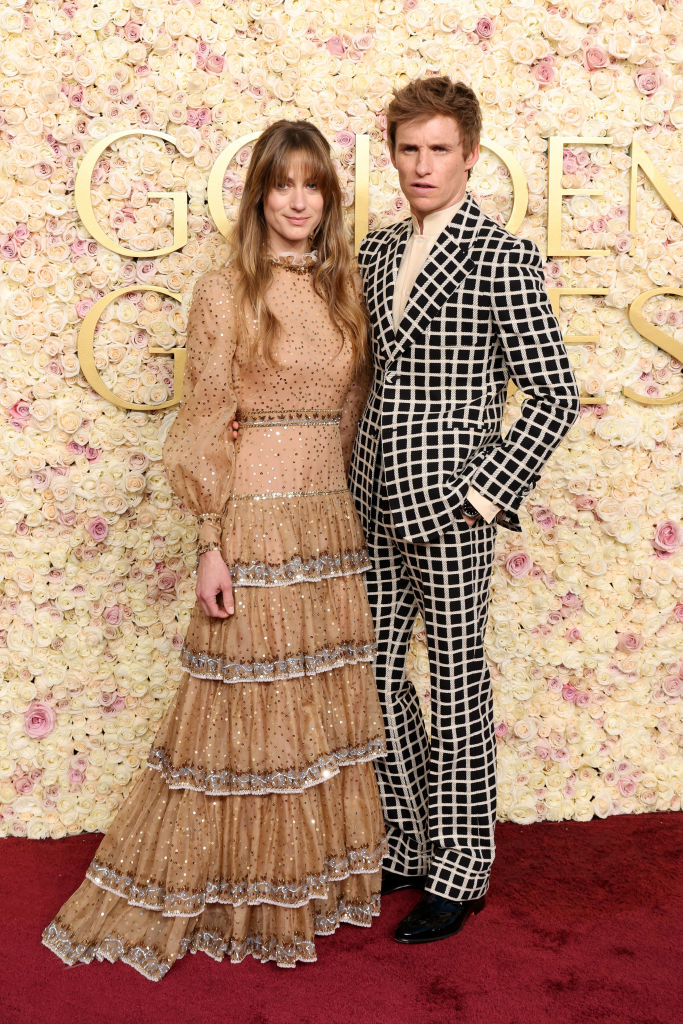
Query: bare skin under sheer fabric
[[256, 825]]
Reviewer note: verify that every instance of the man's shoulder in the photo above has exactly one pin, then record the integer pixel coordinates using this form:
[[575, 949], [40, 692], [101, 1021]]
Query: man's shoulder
[[379, 237], [500, 244]]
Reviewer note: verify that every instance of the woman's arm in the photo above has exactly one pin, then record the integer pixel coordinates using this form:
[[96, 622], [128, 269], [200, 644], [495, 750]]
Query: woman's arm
[[352, 410], [199, 449]]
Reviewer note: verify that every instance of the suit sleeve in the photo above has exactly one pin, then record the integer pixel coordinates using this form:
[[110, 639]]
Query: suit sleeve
[[537, 361]]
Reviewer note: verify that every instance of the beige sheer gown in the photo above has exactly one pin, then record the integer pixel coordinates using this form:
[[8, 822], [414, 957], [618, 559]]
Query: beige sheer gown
[[256, 824]]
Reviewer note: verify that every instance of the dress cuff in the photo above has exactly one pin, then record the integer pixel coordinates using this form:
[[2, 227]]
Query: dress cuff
[[210, 529], [487, 508]]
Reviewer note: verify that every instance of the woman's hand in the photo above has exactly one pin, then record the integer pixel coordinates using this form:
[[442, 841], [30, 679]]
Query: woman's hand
[[213, 578]]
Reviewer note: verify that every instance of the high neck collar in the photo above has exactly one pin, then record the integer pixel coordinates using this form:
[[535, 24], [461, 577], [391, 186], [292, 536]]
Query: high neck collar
[[294, 260], [434, 223]]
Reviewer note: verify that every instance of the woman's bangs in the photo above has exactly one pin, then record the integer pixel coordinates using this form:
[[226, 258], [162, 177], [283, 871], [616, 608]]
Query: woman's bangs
[[299, 160]]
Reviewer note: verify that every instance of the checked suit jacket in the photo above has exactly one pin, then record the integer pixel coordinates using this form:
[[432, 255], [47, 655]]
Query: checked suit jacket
[[477, 316]]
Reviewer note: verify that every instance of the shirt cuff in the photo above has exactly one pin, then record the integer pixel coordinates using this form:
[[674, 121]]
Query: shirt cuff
[[487, 508]]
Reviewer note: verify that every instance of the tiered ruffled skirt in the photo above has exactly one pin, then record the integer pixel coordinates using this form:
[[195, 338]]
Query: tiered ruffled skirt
[[257, 824]]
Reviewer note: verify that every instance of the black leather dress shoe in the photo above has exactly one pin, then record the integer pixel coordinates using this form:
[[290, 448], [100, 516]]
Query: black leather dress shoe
[[436, 918], [393, 882]]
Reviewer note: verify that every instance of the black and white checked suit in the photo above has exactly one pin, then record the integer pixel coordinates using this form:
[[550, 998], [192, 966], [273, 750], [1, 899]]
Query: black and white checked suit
[[477, 315]]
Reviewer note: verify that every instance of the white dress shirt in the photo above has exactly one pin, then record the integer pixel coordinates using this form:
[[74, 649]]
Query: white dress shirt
[[418, 248]]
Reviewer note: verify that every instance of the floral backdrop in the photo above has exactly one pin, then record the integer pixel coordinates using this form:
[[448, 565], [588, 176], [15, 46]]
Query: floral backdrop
[[586, 617]]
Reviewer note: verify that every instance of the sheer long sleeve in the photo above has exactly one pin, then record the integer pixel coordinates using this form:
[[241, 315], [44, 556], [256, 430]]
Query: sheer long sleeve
[[199, 450], [352, 410], [357, 396]]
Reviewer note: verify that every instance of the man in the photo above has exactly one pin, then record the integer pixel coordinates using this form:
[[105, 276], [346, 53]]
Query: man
[[457, 307]]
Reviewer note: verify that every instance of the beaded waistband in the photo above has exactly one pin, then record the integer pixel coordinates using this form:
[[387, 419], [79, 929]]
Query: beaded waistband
[[285, 417]]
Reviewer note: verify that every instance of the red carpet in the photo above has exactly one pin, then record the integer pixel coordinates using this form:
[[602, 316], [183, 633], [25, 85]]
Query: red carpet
[[582, 926]]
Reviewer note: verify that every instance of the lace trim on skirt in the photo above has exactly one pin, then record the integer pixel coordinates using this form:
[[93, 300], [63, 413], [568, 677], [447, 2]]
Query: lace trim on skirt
[[227, 783], [326, 567], [203, 665], [236, 894], [150, 964]]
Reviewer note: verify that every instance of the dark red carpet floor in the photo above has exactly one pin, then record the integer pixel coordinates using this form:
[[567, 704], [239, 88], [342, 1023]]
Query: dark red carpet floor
[[582, 926]]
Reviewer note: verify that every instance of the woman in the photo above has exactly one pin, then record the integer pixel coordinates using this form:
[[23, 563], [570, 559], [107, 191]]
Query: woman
[[257, 823]]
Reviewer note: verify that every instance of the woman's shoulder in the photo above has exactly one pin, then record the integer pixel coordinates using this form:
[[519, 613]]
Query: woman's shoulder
[[215, 280]]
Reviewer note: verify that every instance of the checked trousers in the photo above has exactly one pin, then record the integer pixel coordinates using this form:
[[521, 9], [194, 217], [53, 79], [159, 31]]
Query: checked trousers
[[438, 793]]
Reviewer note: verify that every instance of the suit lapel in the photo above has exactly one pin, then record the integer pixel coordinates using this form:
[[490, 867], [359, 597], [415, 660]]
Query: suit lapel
[[381, 298], [447, 266]]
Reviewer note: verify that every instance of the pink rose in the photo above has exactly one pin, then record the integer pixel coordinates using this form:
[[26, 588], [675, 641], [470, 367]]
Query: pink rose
[[19, 414], [75, 777], [9, 250], [39, 720], [555, 685], [518, 564], [544, 518], [118, 704], [98, 528], [595, 57], [485, 28], [570, 164], [569, 693], [629, 642], [678, 612], [571, 600], [131, 31], [583, 699], [335, 46], [345, 139], [572, 635], [668, 538], [543, 73], [166, 580], [623, 242], [502, 729], [648, 80], [113, 615], [22, 783], [672, 686], [215, 62], [82, 307]]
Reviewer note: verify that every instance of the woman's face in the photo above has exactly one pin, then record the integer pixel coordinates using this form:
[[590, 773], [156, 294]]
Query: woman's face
[[293, 209]]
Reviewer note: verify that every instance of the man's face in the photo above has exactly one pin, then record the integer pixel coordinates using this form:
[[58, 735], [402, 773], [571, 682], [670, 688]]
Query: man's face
[[432, 168]]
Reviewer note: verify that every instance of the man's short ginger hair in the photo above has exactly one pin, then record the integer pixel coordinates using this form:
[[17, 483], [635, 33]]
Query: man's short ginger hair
[[428, 97]]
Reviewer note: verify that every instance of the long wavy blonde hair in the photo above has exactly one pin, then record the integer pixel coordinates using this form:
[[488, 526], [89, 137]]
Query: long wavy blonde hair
[[281, 144]]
